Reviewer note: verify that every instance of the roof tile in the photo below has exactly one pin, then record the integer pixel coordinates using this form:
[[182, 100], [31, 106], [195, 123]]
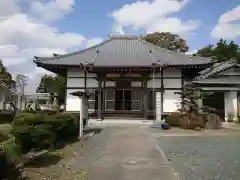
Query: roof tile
[[124, 51]]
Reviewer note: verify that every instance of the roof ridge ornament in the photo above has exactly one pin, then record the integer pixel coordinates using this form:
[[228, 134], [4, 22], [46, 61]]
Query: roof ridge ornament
[[36, 58], [56, 55], [97, 51]]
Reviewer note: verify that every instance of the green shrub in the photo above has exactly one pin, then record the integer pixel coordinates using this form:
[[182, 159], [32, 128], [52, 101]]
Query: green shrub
[[39, 131], [3, 137], [13, 149], [6, 129], [173, 119], [6, 117], [9, 170], [64, 126], [50, 112], [28, 119], [32, 133], [42, 136], [35, 137]]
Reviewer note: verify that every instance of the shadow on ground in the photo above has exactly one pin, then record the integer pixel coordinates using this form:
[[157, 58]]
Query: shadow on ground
[[89, 130], [44, 161]]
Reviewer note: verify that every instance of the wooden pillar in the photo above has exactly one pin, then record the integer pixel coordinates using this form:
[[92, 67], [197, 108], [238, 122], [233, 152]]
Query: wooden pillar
[[99, 98], [104, 98], [162, 91], [145, 99], [85, 81]]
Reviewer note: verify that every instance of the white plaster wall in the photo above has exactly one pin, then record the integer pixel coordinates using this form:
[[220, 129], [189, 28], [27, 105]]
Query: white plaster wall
[[168, 83], [156, 83], [72, 102], [79, 82], [75, 78], [172, 83], [230, 102], [172, 72], [171, 101], [136, 84], [155, 74], [158, 106]]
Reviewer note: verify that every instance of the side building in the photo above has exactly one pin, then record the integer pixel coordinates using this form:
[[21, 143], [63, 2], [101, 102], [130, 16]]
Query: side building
[[126, 76]]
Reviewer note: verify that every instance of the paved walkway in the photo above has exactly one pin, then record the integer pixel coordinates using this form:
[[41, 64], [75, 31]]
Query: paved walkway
[[131, 154]]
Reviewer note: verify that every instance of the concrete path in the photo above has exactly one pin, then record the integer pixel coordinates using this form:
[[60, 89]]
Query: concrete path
[[132, 154]]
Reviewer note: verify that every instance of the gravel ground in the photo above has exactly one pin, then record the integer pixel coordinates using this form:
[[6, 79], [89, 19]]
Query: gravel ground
[[203, 157], [72, 162]]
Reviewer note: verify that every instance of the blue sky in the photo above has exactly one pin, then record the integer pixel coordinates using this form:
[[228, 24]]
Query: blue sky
[[91, 19], [42, 27]]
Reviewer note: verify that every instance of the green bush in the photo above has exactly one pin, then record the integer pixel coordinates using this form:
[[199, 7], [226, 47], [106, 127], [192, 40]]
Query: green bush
[[28, 119], [32, 133], [39, 131], [35, 138], [9, 170], [6, 128], [6, 117], [50, 112], [64, 126], [3, 137], [13, 149], [23, 137], [173, 119]]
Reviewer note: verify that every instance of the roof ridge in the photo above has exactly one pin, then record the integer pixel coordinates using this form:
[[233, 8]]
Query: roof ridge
[[210, 72], [124, 37]]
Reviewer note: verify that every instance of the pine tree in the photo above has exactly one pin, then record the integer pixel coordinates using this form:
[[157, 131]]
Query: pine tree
[[191, 116]]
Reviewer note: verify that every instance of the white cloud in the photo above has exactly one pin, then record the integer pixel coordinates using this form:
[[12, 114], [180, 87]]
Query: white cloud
[[118, 29], [230, 16], [52, 9], [93, 41], [173, 25], [24, 34], [24, 38], [227, 27], [8, 7], [39, 72], [153, 16]]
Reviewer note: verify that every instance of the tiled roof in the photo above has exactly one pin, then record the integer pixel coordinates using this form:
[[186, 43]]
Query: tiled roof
[[216, 68], [123, 51], [210, 75], [218, 81]]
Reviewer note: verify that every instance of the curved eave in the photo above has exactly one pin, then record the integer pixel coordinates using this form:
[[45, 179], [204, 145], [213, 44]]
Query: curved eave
[[61, 70], [47, 65]]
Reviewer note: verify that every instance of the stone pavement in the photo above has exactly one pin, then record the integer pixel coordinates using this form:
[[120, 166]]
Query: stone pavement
[[131, 154]]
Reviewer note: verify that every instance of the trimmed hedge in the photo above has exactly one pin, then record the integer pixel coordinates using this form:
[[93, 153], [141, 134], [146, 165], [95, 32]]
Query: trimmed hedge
[[9, 170], [6, 117], [40, 131], [5, 132], [3, 137], [28, 119]]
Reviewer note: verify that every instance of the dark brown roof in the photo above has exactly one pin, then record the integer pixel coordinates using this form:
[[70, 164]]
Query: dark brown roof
[[123, 51]]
